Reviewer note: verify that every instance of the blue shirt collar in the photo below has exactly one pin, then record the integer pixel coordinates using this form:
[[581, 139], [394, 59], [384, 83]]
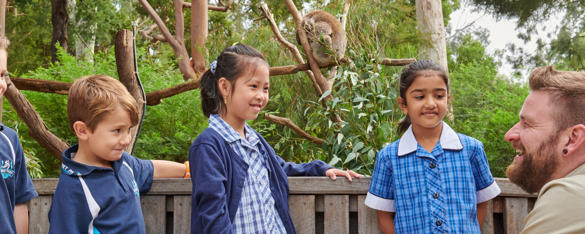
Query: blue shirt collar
[[448, 140], [73, 168], [229, 134]]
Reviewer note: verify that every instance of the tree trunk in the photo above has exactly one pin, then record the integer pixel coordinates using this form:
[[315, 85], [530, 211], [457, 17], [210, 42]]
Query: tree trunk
[[127, 75], [59, 19], [84, 44], [198, 35], [429, 17]]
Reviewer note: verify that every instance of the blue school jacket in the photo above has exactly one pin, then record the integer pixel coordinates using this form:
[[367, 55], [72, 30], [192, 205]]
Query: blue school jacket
[[218, 174], [16, 186], [95, 200]]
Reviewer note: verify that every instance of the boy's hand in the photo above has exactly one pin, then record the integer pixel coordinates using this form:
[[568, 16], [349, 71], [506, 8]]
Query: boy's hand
[[334, 172]]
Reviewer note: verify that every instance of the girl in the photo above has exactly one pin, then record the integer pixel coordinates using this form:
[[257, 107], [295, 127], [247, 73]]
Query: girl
[[432, 180], [240, 185]]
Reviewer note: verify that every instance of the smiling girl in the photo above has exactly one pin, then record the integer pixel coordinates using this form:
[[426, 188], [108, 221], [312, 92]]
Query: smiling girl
[[239, 183], [431, 180]]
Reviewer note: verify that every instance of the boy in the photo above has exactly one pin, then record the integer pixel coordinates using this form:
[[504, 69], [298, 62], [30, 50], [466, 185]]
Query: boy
[[100, 184], [16, 187]]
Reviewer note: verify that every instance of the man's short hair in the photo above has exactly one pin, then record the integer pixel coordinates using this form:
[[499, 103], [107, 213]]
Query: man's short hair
[[568, 93], [92, 97]]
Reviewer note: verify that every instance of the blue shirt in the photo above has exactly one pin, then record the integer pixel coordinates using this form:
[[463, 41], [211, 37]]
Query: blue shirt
[[432, 192], [91, 199], [218, 175], [256, 212], [15, 184]]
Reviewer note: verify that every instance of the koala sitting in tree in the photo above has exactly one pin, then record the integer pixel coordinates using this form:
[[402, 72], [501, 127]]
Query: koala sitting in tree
[[326, 36]]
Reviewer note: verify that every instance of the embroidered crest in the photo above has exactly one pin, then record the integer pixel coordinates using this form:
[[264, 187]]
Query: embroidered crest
[[7, 169]]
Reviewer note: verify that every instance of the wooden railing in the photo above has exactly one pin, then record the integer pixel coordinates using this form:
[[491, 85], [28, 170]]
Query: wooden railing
[[317, 205]]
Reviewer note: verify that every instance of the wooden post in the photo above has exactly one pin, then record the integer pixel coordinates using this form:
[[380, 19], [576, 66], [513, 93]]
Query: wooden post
[[127, 75], [429, 17]]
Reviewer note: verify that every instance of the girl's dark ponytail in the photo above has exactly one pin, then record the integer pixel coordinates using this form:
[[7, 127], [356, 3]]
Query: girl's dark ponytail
[[403, 125], [211, 100]]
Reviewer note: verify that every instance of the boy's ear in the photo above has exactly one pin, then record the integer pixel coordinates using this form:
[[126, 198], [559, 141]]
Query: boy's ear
[[81, 130], [224, 86], [402, 104]]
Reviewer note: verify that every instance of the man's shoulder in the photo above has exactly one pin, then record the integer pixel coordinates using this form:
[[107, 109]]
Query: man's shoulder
[[571, 184]]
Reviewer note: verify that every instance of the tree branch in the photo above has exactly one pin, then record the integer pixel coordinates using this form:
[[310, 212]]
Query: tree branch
[[397, 62], [46, 86], [224, 8], [154, 98], [36, 126], [290, 46], [178, 46], [288, 123], [323, 83], [155, 38]]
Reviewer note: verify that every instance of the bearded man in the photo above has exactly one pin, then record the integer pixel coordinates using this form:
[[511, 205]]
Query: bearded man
[[550, 141]]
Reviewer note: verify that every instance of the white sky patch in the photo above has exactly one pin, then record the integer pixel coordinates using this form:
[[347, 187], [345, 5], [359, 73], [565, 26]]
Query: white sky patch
[[501, 32]]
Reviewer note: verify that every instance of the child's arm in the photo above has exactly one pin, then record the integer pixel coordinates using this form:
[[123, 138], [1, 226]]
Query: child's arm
[[386, 221], [481, 212], [21, 218], [168, 169]]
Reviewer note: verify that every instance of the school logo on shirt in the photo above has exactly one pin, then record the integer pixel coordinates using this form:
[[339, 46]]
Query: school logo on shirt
[[7, 169], [135, 189]]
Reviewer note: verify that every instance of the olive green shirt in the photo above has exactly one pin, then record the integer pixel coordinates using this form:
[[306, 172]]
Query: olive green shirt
[[560, 207]]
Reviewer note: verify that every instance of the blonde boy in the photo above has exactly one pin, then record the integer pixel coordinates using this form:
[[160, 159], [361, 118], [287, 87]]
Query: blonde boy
[[100, 184]]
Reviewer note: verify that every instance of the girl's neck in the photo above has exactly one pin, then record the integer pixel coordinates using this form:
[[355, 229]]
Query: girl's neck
[[238, 125], [427, 138]]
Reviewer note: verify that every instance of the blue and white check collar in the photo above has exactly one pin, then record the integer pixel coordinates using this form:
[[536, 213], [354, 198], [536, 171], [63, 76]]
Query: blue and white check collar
[[228, 133], [448, 140]]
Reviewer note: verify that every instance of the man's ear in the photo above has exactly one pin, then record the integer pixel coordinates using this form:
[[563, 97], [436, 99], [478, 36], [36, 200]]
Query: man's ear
[[224, 86], [81, 130], [576, 139], [402, 103]]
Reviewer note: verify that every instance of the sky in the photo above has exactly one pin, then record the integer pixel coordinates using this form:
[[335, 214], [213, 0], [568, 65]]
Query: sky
[[501, 32]]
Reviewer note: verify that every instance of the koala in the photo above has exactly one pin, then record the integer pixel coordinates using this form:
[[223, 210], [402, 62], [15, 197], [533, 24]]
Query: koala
[[326, 36]]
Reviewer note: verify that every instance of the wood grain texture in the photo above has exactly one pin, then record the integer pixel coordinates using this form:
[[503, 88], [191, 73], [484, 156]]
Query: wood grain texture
[[302, 212], [336, 214]]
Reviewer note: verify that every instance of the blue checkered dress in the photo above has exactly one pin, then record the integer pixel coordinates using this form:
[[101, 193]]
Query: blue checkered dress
[[432, 192], [256, 212]]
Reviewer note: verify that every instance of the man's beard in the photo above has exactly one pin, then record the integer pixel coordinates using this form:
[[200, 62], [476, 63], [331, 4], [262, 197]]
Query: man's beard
[[535, 169]]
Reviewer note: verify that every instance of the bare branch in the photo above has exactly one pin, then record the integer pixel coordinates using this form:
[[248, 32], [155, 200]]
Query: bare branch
[[180, 21], [323, 83], [155, 38], [178, 46], [162, 27], [291, 69], [397, 62], [344, 14], [37, 127], [154, 98], [288, 123], [290, 46], [46, 86], [223, 8]]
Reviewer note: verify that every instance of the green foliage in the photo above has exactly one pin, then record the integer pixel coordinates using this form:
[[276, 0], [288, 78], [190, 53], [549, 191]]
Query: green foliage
[[363, 96], [485, 105]]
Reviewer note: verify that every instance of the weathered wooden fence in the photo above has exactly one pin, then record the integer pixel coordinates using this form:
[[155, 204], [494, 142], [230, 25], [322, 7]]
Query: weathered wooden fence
[[317, 205]]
